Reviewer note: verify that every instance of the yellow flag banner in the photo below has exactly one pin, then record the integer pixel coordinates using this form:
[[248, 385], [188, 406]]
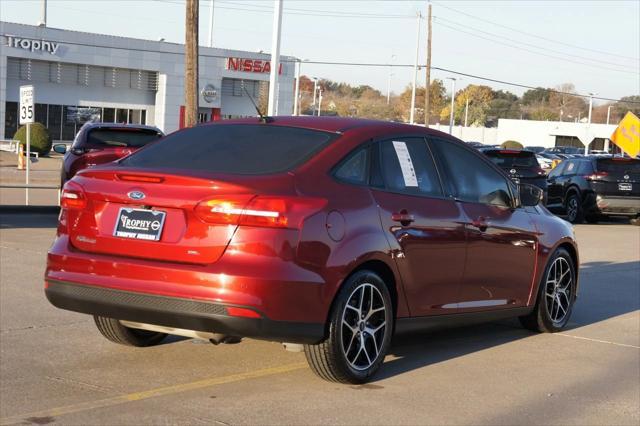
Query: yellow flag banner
[[627, 135]]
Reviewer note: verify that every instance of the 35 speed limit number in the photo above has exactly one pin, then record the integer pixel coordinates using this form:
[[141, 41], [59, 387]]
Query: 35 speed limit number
[[26, 105]]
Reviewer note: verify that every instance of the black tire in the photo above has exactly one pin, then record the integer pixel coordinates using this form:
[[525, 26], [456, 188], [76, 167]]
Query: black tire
[[113, 330], [541, 318], [330, 359], [573, 207]]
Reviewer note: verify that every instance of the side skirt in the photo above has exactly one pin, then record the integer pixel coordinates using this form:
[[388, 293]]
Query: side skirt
[[435, 322]]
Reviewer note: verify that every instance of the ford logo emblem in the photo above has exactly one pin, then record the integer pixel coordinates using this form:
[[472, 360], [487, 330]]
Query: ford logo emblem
[[136, 195]]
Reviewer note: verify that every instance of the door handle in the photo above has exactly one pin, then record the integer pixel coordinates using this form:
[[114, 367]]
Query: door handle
[[403, 217], [480, 223]]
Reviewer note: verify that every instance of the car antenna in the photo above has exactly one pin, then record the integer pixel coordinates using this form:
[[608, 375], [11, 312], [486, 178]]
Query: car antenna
[[263, 118]]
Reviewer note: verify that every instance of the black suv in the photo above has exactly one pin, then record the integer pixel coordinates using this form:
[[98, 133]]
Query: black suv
[[591, 187], [520, 165]]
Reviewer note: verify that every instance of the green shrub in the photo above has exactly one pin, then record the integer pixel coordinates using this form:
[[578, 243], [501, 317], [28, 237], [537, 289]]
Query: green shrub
[[40, 139], [511, 145]]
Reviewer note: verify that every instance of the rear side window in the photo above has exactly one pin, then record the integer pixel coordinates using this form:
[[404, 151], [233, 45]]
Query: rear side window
[[619, 166], [508, 159], [233, 148], [585, 168], [472, 179], [355, 169], [407, 167], [114, 137]]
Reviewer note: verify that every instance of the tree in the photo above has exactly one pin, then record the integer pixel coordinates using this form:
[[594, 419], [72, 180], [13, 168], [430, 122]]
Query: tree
[[626, 104], [480, 98], [565, 103], [539, 95]]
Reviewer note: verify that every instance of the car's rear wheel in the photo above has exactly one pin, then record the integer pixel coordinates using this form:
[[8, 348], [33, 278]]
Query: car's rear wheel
[[113, 330], [575, 213], [360, 328], [556, 295]]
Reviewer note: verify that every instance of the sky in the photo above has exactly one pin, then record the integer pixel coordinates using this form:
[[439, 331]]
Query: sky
[[593, 44]]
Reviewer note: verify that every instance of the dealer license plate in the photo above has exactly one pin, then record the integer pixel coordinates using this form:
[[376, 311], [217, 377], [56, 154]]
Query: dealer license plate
[[139, 224], [625, 186]]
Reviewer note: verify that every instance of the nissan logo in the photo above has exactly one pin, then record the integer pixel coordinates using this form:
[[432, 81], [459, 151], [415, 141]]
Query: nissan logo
[[136, 195], [626, 177], [209, 93], [512, 171]]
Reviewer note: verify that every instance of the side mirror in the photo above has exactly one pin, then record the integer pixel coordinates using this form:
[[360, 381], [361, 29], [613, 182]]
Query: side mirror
[[530, 195], [60, 148]]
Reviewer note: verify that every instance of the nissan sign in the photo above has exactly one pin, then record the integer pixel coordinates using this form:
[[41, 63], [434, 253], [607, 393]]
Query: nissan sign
[[209, 93], [250, 65]]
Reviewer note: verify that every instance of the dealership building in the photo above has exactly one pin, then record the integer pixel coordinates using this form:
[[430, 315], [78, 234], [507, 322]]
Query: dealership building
[[81, 76]]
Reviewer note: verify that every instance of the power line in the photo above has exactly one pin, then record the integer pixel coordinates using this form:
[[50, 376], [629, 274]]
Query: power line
[[534, 52], [525, 43], [360, 64], [534, 35]]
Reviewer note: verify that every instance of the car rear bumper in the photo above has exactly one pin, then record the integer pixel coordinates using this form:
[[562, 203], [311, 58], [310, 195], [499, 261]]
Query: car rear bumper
[[629, 206], [290, 302], [175, 312]]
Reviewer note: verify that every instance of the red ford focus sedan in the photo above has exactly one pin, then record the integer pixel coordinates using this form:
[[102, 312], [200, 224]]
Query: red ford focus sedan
[[326, 234]]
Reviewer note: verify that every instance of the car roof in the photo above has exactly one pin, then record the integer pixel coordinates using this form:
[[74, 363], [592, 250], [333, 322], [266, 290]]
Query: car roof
[[332, 124], [98, 124]]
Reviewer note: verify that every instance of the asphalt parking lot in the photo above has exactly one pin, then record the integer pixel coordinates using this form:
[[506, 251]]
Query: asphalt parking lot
[[56, 368]]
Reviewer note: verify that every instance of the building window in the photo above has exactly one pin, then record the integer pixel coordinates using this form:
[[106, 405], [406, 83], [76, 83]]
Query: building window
[[41, 114], [54, 121], [10, 119], [122, 115], [109, 115]]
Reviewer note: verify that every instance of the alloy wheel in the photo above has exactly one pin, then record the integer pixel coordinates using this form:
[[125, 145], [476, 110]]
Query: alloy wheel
[[558, 290], [572, 208], [363, 326]]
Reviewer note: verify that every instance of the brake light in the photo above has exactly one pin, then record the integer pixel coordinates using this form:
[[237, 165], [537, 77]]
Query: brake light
[[596, 176], [140, 178], [73, 197], [540, 171], [262, 211], [234, 311]]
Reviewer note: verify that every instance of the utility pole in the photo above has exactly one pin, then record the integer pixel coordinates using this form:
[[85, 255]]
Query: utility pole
[[211, 23], [609, 113], [43, 14], [319, 100], [389, 81], [275, 58], [191, 64], [453, 95], [591, 95], [427, 93], [415, 72]]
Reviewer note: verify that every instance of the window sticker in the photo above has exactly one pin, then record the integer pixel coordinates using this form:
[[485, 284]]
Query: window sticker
[[406, 165]]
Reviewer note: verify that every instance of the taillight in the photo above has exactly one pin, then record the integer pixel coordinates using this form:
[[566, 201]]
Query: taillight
[[140, 178], [596, 176], [540, 171], [262, 211], [73, 197]]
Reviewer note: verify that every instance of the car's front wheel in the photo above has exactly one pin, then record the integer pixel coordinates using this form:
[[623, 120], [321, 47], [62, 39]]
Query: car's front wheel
[[556, 295], [360, 328], [113, 330]]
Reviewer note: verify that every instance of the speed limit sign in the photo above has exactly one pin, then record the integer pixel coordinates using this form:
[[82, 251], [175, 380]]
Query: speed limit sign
[[26, 112]]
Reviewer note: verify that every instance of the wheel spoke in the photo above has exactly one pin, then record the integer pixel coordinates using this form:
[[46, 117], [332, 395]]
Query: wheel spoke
[[350, 327]]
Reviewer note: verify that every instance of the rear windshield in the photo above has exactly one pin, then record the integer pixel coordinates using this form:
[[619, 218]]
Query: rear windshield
[[236, 149], [513, 158], [115, 137], [612, 165]]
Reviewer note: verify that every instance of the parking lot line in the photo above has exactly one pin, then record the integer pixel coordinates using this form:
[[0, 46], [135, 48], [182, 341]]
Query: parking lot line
[[151, 393], [597, 340]]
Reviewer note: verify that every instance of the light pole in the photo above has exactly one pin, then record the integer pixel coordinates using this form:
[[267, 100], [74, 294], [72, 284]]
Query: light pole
[[315, 89], [466, 111], [319, 100], [296, 95], [389, 81], [591, 95], [415, 72], [609, 113], [275, 58], [211, 23], [453, 95]]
